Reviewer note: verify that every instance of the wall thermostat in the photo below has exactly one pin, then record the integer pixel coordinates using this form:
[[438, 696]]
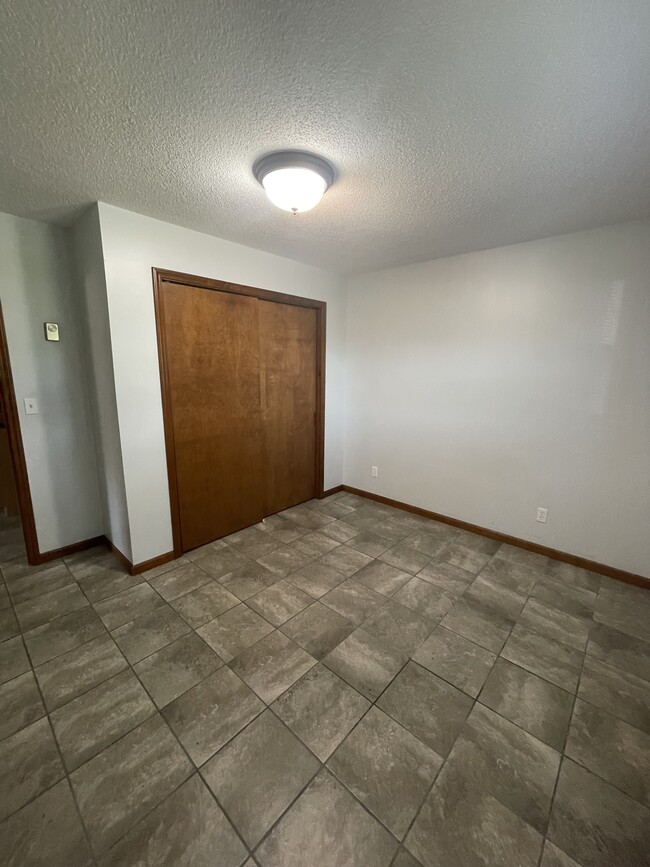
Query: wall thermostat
[[51, 331]]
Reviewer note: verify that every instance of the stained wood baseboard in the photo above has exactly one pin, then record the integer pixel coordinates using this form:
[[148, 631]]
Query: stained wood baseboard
[[67, 550], [330, 491], [573, 559], [138, 568]]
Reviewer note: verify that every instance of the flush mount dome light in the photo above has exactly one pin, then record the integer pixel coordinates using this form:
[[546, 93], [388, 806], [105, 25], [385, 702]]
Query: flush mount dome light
[[294, 180]]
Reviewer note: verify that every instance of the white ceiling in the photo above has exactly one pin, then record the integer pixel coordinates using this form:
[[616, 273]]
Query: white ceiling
[[455, 125]]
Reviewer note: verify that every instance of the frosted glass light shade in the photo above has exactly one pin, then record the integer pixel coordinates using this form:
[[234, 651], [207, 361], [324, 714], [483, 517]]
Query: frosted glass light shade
[[294, 189], [294, 180]]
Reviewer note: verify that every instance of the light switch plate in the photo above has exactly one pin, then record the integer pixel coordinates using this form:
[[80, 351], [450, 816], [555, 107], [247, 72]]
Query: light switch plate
[[51, 331], [31, 406]]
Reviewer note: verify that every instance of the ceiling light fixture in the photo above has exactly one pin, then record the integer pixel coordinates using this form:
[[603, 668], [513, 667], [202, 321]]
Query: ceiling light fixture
[[294, 180]]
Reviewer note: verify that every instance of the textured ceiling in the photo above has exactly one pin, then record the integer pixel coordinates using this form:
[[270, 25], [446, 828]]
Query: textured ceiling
[[454, 125]]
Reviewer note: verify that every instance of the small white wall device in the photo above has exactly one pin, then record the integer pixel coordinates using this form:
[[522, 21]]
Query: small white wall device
[[51, 331]]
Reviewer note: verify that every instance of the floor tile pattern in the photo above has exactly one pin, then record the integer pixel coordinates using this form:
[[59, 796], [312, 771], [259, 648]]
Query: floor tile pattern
[[343, 684]]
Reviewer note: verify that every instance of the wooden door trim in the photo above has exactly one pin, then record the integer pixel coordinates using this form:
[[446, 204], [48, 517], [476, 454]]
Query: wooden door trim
[[16, 450], [161, 276]]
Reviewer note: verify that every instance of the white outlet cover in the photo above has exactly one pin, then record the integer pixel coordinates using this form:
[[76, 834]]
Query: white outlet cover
[[31, 406], [541, 515]]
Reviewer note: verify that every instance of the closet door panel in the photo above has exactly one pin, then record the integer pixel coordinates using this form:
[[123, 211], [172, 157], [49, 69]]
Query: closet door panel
[[288, 366], [213, 367]]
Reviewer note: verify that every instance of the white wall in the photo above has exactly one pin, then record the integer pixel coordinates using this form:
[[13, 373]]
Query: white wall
[[132, 245], [36, 287], [93, 310], [485, 385]]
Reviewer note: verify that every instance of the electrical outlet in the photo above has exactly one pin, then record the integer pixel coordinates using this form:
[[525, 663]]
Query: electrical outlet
[[541, 515], [374, 472]]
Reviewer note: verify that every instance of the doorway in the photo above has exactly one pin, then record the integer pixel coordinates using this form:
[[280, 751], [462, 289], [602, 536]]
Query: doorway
[[17, 525], [242, 381]]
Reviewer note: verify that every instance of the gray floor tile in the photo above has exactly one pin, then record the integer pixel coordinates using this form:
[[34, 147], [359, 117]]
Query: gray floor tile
[[387, 768], [539, 707], [202, 605], [554, 661], [399, 627], [94, 720], [403, 557], [430, 708], [205, 550], [369, 543], [258, 545], [187, 830], [432, 544], [353, 601], [616, 648], [171, 671], [318, 629], [179, 581], [566, 597], [20, 704], [233, 632], [573, 575], [34, 584], [279, 603], [537, 563], [619, 613], [147, 634], [127, 605], [16, 567], [340, 531], [449, 578], [316, 579], [515, 576], [554, 857], [479, 624], [283, 561], [248, 580], [272, 665], [504, 760], [78, 670], [218, 563], [611, 748], [258, 774], [101, 585], [426, 599], [165, 567], [13, 659], [211, 713], [314, 545], [46, 833], [365, 662], [405, 859], [327, 827], [48, 606], [552, 622], [63, 634], [345, 560], [596, 824], [382, 578], [123, 783], [281, 528], [496, 597], [303, 516], [29, 764], [470, 553], [456, 659], [321, 709], [464, 824], [90, 562], [622, 694]]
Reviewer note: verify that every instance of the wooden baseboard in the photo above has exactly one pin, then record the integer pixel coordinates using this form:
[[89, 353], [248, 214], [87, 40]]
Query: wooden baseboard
[[138, 568], [67, 550], [330, 491], [573, 559]]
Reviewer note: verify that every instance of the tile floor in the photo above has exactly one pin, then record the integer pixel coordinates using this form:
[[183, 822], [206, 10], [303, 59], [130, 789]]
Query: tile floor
[[344, 684]]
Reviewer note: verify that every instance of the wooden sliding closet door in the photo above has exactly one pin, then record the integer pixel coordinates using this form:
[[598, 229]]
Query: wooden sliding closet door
[[212, 360], [288, 371]]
